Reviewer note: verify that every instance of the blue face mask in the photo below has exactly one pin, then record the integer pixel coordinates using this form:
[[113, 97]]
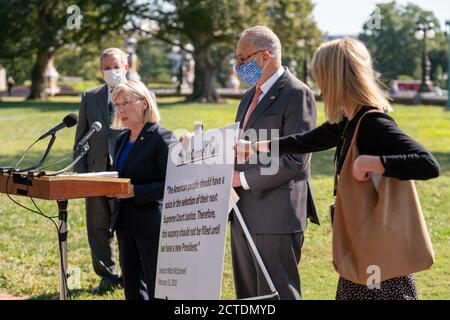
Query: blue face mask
[[249, 72]]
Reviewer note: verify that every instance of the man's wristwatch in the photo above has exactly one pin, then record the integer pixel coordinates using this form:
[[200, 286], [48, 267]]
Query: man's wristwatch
[[253, 146]]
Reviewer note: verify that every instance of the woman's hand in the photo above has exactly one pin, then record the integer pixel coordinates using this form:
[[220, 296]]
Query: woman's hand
[[243, 151], [364, 166], [236, 179], [125, 195]]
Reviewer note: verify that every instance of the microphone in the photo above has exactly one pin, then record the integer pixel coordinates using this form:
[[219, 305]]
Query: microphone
[[82, 148], [69, 121], [96, 127]]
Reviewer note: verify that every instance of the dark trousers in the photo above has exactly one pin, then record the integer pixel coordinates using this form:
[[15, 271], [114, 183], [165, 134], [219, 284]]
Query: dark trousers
[[101, 240], [281, 256], [138, 259]]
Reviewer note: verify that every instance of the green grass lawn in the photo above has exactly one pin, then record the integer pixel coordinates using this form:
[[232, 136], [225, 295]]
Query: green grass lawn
[[28, 242]]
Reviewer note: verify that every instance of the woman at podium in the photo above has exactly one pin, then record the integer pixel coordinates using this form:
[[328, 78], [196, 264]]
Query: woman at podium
[[141, 153]]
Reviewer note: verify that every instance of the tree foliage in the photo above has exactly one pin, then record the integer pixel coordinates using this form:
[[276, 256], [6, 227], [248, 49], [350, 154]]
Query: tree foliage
[[396, 50], [213, 28], [37, 29]]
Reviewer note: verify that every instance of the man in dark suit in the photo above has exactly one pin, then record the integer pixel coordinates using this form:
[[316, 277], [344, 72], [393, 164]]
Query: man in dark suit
[[275, 198], [96, 106]]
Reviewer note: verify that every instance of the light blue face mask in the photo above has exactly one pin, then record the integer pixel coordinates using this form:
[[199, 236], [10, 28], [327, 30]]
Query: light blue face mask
[[249, 72]]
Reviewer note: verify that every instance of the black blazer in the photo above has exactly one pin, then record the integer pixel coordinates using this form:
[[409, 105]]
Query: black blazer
[[146, 167]]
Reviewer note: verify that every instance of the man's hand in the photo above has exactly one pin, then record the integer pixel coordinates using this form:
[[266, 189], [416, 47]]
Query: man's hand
[[236, 179], [185, 139], [364, 166]]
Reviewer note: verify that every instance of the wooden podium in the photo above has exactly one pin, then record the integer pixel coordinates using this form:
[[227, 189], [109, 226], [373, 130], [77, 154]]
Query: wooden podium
[[62, 188]]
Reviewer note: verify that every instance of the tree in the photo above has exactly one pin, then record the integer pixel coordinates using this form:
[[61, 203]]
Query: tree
[[213, 27], [396, 50], [154, 62], [83, 61], [46, 29], [202, 23], [439, 60], [298, 32]]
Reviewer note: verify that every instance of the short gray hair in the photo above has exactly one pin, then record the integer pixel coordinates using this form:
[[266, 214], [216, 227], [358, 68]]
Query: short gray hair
[[264, 38], [114, 51]]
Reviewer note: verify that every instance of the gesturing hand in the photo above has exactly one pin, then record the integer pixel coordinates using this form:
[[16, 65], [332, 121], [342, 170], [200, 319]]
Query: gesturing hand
[[185, 139]]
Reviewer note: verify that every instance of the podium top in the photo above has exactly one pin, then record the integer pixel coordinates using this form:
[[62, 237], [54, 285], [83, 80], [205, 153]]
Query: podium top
[[63, 187]]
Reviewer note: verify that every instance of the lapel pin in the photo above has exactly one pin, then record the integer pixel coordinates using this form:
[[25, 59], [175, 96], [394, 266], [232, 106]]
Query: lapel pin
[[272, 98], [142, 138]]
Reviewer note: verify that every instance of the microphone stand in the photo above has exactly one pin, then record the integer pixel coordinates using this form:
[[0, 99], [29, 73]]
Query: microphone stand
[[62, 230], [62, 204], [82, 152]]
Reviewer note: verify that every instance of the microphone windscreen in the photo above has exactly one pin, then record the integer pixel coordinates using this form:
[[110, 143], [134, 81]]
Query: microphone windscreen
[[70, 120], [97, 126]]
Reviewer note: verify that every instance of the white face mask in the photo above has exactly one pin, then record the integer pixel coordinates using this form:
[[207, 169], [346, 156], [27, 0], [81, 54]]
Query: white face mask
[[114, 77]]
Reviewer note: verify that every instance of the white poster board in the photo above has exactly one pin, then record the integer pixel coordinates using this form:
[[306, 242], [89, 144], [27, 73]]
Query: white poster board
[[194, 216]]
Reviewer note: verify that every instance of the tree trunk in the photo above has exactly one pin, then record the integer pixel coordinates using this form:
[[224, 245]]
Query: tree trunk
[[205, 76], [37, 74]]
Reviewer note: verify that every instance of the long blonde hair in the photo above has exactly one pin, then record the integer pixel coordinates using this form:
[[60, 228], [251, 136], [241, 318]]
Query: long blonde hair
[[139, 91], [343, 69]]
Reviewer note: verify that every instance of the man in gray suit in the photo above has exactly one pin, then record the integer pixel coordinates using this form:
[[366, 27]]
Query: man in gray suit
[[274, 204], [96, 106]]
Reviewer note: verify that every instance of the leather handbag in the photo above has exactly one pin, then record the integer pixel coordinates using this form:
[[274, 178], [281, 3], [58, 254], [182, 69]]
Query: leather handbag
[[378, 227]]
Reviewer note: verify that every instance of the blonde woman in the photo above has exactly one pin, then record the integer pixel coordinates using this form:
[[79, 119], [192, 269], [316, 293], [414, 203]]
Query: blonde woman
[[141, 155], [343, 70]]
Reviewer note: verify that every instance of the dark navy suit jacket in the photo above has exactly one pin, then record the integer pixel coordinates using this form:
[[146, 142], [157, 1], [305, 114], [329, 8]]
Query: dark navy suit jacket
[[146, 166]]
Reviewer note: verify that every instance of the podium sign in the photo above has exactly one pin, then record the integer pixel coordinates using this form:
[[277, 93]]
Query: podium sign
[[195, 215]]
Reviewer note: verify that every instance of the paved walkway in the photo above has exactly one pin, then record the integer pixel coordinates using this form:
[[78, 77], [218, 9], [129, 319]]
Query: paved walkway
[[5, 296]]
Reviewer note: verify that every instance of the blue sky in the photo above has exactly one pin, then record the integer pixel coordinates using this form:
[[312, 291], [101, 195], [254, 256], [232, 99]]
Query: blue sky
[[348, 16]]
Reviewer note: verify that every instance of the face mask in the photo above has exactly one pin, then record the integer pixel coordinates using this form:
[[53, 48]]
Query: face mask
[[249, 72], [113, 77]]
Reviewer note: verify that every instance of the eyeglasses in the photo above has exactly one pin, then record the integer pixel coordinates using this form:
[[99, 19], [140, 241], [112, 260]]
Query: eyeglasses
[[242, 60], [124, 104]]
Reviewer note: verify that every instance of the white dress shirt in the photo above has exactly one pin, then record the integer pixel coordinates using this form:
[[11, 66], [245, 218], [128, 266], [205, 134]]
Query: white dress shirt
[[265, 87]]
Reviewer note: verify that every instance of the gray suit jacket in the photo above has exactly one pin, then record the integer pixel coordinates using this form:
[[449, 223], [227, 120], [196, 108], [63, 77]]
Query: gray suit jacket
[[279, 203], [94, 107]]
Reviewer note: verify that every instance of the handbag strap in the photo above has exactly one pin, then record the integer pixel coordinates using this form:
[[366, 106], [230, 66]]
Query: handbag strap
[[353, 142]]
